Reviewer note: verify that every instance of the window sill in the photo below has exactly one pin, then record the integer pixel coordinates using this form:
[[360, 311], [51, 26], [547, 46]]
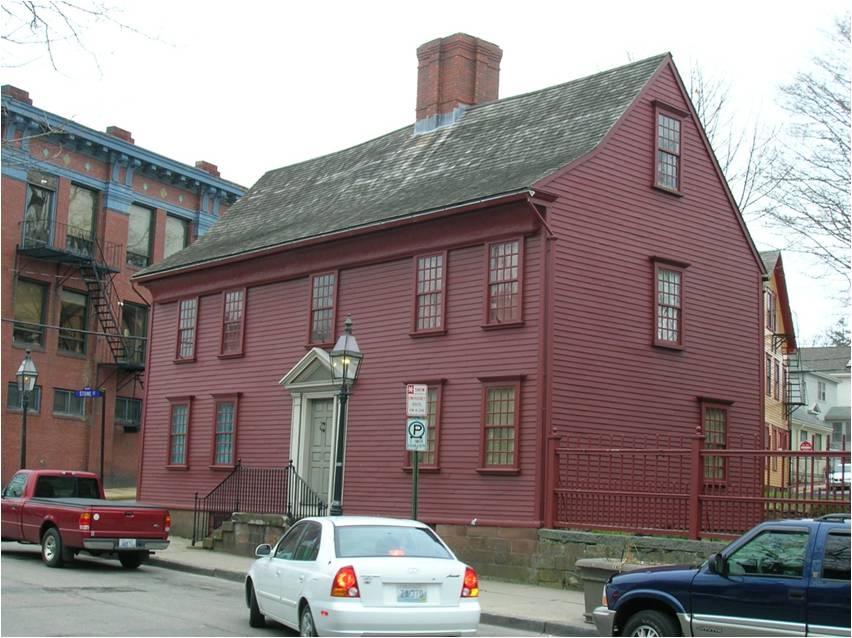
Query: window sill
[[506, 471], [177, 468], [429, 469], [500, 326], [71, 417], [668, 346], [222, 467], [81, 356], [187, 360], [416, 334], [669, 191], [232, 355], [28, 346], [20, 411]]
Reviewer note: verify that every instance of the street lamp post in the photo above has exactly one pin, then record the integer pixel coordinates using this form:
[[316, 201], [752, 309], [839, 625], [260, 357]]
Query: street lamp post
[[345, 363], [27, 375]]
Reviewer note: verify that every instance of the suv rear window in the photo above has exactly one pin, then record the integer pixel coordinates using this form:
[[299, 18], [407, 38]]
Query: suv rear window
[[387, 540], [835, 565], [66, 487]]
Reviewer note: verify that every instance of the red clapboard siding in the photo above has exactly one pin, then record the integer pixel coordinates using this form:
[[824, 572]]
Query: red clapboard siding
[[379, 296], [608, 378]]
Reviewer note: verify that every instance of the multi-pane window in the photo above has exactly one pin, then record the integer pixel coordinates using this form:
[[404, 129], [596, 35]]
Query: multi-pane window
[[29, 313], [668, 152], [14, 402], [429, 458], [232, 322], [39, 210], [668, 305], [139, 236], [504, 282], [776, 380], [178, 431], [769, 310], [500, 425], [188, 312], [66, 404], [821, 390], [429, 296], [226, 424], [134, 329], [715, 438], [128, 412], [177, 235], [72, 322], [81, 220], [768, 375], [322, 307]]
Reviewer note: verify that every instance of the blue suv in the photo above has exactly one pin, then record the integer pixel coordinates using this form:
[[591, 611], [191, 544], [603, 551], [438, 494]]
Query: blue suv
[[782, 578]]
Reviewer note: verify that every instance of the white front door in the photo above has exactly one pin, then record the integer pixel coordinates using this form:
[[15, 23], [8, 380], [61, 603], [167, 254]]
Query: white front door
[[320, 427]]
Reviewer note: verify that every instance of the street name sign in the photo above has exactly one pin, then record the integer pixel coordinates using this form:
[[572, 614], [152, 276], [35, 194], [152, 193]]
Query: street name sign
[[415, 435], [88, 393], [416, 399]]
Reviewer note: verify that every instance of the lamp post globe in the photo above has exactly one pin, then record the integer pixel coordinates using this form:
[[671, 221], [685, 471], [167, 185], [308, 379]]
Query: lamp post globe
[[345, 361], [26, 376]]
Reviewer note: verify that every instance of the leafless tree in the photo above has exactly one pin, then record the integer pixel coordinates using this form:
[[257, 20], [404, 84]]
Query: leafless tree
[[809, 200], [33, 28], [836, 335], [742, 147]]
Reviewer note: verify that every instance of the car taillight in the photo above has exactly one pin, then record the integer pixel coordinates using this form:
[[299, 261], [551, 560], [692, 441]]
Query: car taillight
[[85, 521], [168, 523], [345, 584], [470, 587]]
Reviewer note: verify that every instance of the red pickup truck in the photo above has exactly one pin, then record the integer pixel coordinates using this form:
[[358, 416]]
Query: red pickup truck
[[66, 513]]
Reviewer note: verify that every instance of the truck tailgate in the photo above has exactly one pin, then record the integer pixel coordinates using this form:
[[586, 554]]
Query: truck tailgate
[[127, 522]]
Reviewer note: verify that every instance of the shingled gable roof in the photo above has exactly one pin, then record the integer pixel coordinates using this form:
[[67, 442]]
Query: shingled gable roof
[[497, 148]]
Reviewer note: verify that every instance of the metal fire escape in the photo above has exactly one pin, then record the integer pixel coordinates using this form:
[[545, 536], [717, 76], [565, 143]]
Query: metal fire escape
[[794, 390], [97, 262]]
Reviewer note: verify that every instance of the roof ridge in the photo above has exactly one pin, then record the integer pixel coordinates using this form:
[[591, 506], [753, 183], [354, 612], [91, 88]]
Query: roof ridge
[[563, 84]]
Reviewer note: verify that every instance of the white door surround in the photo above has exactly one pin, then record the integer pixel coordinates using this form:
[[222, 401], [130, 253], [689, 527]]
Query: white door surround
[[309, 381]]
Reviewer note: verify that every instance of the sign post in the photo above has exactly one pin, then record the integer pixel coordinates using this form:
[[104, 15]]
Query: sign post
[[415, 442], [89, 393]]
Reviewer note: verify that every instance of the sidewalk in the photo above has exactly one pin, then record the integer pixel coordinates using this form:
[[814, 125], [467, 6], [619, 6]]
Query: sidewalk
[[523, 607]]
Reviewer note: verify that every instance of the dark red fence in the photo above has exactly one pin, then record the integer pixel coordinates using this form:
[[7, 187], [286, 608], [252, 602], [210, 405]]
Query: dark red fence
[[673, 486]]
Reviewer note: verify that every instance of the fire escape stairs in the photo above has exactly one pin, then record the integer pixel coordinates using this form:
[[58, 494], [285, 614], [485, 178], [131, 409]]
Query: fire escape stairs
[[795, 395]]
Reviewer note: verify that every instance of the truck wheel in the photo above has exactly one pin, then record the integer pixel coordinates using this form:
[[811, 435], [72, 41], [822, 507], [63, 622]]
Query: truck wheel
[[52, 552], [132, 560], [256, 619], [649, 622]]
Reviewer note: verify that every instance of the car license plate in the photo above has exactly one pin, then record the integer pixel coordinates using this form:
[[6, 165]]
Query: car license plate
[[126, 543], [411, 595]]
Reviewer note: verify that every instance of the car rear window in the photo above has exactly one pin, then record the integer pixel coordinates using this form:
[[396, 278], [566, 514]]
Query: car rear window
[[66, 487], [351, 541]]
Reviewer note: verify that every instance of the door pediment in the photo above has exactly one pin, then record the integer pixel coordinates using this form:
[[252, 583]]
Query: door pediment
[[311, 374]]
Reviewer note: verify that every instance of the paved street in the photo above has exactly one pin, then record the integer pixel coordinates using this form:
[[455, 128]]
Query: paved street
[[96, 597]]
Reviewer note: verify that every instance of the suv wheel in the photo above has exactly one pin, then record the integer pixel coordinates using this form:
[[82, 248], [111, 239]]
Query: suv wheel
[[649, 622]]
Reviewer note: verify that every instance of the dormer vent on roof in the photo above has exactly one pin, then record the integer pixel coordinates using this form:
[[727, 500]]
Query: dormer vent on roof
[[453, 73]]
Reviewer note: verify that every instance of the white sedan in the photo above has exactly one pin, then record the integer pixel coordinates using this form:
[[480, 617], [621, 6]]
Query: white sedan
[[352, 575]]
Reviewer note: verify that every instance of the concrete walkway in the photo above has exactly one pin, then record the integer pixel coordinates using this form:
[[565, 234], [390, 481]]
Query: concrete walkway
[[523, 607]]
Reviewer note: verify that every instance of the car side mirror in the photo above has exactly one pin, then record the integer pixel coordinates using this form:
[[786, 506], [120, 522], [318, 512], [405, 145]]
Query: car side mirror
[[263, 550], [718, 565]]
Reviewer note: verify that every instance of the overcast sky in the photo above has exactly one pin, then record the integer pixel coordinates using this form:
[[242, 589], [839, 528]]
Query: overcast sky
[[255, 85]]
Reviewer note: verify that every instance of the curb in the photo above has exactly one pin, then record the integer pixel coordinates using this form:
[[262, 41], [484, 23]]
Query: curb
[[225, 574], [537, 626], [510, 622]]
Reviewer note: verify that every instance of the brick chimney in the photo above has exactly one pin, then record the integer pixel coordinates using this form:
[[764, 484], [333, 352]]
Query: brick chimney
[[453, 73], [207, 167], [120, 133], [17, 94]]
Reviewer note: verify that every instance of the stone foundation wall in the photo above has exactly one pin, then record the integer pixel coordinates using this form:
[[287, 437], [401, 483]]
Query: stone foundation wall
[[548, 557]]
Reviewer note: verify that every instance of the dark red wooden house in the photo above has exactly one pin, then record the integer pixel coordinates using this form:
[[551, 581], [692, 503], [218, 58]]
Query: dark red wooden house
[[569, 260]]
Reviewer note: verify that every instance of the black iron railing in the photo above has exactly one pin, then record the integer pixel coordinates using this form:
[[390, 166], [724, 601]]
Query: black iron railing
[[75, 242], [258, 490]]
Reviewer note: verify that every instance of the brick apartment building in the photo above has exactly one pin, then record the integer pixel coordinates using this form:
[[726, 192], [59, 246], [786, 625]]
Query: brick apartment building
[[83, 210]]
